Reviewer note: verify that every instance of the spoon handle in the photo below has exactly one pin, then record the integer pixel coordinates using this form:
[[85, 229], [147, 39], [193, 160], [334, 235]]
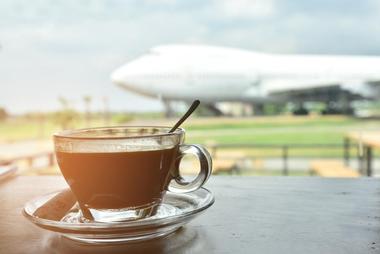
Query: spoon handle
[[193, 106]]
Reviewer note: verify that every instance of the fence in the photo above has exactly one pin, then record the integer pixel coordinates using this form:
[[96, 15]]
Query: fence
[[285, 150], [30, 159]]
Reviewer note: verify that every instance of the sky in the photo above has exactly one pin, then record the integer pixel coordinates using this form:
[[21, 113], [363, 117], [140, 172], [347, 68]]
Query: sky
[[68, 48]]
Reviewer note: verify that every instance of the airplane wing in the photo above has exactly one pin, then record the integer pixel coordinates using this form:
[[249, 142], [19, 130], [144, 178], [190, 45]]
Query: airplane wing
[[318, 89]]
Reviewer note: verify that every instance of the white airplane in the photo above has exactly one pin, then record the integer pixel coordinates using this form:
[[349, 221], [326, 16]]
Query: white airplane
[[218, 74]]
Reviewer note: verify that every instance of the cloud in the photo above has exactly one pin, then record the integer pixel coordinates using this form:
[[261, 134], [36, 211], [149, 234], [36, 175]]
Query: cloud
[[246, 8], [51, 49]]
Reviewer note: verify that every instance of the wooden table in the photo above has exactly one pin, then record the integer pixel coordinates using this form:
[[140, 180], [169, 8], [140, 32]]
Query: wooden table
[[250, 215], [369, 140]]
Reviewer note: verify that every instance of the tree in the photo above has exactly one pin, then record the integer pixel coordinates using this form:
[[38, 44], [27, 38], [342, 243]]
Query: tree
[[3, 114], [87, 102], [67, 116]]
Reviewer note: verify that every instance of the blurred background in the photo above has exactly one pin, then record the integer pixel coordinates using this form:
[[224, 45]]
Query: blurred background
[[68, 64]]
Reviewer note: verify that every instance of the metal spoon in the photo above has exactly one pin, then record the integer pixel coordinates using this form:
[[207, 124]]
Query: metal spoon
[[193, 106], [58, 206]]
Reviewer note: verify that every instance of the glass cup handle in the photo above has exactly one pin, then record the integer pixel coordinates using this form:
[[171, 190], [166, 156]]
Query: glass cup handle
[[178, 184]]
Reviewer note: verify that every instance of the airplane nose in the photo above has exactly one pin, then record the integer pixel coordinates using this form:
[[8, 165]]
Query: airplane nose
[[118, 77], [125, 77], [130, 77]]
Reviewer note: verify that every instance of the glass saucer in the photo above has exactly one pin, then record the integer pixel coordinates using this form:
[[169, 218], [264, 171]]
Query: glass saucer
[[174, 211]]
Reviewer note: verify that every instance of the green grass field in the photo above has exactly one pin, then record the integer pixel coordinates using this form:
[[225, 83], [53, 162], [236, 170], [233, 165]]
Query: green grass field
[[19, 128], [281, 130], [254, 130]]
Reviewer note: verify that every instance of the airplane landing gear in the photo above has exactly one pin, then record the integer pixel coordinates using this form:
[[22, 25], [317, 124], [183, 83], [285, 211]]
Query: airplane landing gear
[[169, 111], [301, 111]]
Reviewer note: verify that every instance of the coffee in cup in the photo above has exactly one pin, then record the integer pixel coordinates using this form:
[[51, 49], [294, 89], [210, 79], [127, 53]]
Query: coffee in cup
[[123, 173]]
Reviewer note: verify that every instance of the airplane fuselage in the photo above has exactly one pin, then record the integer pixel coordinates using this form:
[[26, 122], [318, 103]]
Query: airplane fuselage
[[215, 74]]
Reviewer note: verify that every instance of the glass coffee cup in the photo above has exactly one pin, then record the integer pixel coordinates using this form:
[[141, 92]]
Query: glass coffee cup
[[123, 173]]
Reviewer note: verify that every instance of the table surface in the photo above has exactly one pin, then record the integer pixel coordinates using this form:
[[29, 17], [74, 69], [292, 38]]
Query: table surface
[[250, 215]]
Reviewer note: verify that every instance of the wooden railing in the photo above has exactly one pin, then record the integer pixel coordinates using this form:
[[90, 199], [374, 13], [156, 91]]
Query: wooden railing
[[286, 148]]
